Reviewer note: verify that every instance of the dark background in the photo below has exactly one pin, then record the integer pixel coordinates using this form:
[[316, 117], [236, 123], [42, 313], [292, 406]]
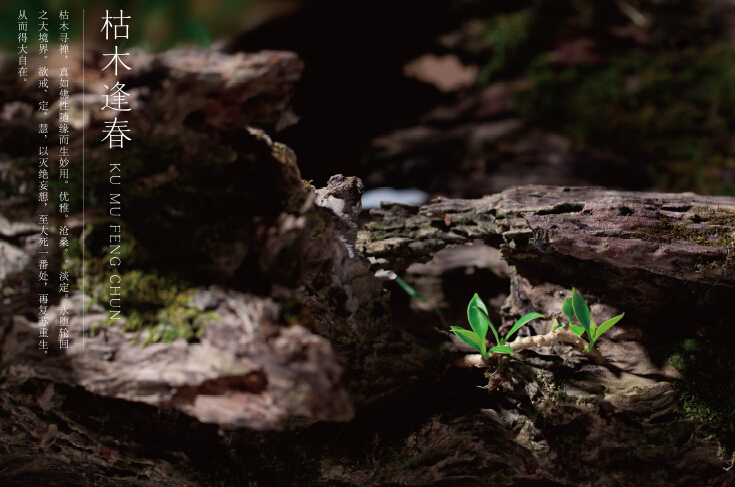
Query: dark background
[[625, 94]]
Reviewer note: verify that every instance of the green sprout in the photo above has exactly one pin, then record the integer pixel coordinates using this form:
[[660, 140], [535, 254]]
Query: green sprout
[[480, 322], [577, 307]]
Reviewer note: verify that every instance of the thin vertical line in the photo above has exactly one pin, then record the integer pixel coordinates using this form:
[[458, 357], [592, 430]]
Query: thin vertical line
[[84, 226]]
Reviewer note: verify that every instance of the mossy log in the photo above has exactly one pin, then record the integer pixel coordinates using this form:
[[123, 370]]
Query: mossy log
[[669, 258]]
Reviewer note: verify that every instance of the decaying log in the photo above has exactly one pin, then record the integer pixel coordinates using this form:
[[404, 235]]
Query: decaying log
[[684, 236], [663, 259]]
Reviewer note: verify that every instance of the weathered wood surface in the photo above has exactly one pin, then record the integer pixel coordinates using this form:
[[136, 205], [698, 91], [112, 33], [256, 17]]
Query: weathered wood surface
[[247, 370], [667, 259], [207, 196], [684, 236]]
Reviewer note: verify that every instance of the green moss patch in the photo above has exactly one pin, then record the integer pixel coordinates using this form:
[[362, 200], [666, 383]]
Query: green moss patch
[[661, 97], [155, 303], [150, 299], [672, 111], [668, 232], [706, 388]]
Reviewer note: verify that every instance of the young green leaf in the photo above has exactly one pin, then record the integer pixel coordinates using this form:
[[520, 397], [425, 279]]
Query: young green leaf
[[554, 325], [607, 325], [581, 311], [490, 324], [469, 337], [503, 349], [474, 316], [524, 319], [568, 309], [577, 330]]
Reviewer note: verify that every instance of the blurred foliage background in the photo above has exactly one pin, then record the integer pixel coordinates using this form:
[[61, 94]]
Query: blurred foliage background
[[650, 83], [155, 25]]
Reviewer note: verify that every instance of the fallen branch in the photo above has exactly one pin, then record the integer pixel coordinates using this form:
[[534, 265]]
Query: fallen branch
[[560, 335]]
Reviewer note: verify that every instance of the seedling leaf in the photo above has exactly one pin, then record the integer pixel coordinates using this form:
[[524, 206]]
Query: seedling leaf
[[408, 289], [607, 325], [469, 337], [502, 349], [554, 325], [568, 309], [577, 330], [524, 319], [414, 294], [581, 311], [490, 324], [474, 315]]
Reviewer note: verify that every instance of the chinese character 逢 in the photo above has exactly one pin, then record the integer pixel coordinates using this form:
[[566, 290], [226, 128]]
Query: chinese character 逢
[[118, 98]]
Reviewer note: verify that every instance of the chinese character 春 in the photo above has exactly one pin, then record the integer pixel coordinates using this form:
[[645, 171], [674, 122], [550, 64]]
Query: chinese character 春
[[116, 140]]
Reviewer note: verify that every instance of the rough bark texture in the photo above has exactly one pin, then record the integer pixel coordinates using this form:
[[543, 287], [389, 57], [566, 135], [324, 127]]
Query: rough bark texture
[[672, 235], [660, 254], [211, 204], [246, 370]]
